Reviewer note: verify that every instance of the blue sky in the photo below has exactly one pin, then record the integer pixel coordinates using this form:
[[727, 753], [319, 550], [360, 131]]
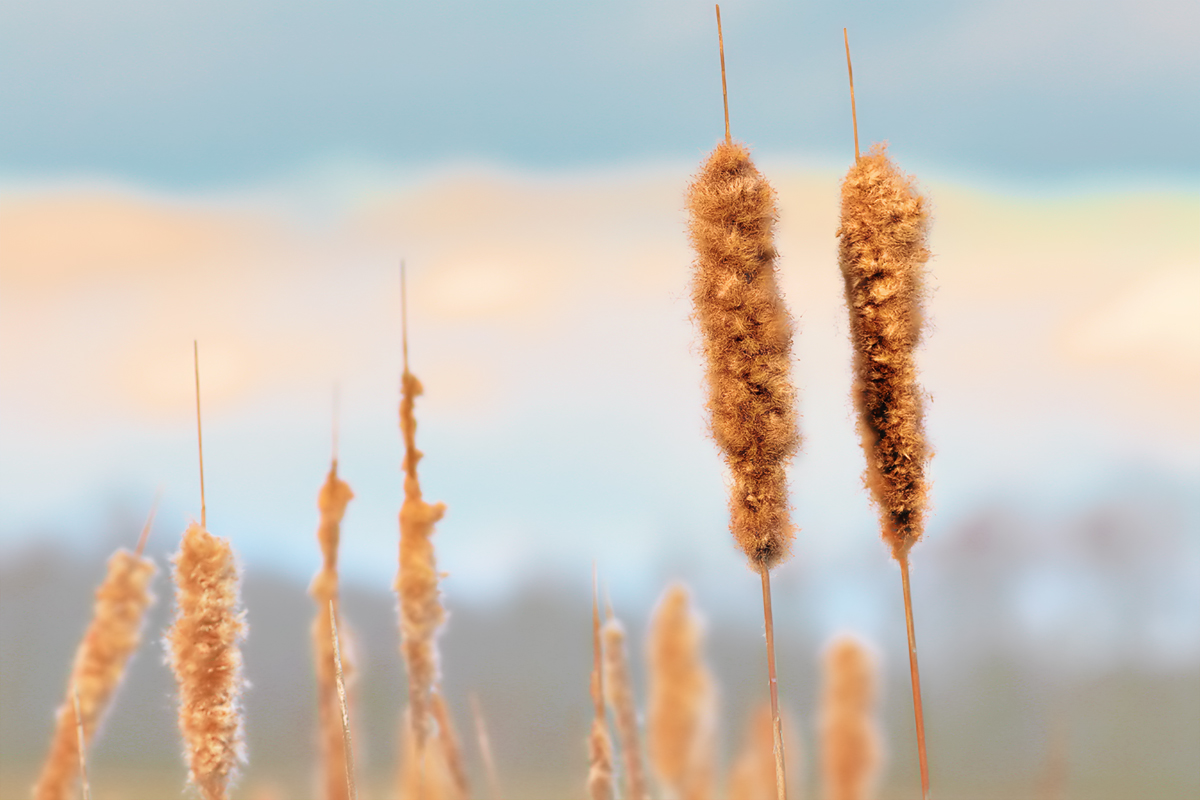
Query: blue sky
[[188, 95]]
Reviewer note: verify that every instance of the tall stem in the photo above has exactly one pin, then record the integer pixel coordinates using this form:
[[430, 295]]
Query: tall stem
[[918, 711], [776, 725]]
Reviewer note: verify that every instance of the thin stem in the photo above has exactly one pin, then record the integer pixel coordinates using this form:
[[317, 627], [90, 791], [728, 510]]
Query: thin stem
[[404, 313], [341, 688], [918, 710], [853, 109], [776, 725], [199, 434], [597, 651], [87, 789], [141, 545], [724, 88], [337, 398], [485, 748]]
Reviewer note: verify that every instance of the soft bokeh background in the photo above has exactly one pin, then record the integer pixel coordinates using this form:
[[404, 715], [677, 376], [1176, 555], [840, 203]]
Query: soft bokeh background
[[250, 176]]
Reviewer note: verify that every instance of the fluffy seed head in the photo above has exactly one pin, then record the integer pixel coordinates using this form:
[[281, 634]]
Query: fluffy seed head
[[747, 333], [882, 255], [204, 654], [619, 687]]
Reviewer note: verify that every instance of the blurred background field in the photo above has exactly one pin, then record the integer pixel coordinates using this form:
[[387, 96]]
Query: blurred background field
[[251, 176]]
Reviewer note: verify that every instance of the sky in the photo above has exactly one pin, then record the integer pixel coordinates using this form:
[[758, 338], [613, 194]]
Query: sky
[[250, 175]]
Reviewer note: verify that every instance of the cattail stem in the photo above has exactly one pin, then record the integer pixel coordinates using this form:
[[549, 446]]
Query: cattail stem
[[485, 748], [199, 433], [724, 88], [853, 108], [918, 709], [352, 792], [776, 724]]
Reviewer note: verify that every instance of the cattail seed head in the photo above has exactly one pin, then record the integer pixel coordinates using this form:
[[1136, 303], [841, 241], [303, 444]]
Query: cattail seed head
[[747, 334], [203, 652], [100, 660], [850, 743], [618, 685], [882, 255]]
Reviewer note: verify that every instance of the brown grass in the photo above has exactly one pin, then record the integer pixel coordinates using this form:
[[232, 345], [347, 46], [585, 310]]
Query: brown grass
[[203, 650], [100, 660]]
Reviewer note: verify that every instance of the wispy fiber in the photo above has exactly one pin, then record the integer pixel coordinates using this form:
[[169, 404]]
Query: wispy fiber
[[747, 334], [681, 709], [882, 255], [204, 654], [619, 689], [100, 660], [421, 612], [332, 500], [850, 746]]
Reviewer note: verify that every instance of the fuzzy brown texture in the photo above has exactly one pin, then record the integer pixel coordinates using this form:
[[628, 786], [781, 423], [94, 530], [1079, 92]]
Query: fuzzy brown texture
[[850, 749], [100, 660], [747, 334], [451, 749], [680, 711], [882, 255], [421, 612], [204, 654], [753, 774], [619, 689], [332, 500]]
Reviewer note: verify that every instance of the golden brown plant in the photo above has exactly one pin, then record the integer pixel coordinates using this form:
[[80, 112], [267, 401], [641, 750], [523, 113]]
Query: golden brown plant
[[100, 660], [425, 773], [850, 744], [882, 255], [203, 652], [747, 334], [619, 688], [421, 612], [332, 500], [681, 710]]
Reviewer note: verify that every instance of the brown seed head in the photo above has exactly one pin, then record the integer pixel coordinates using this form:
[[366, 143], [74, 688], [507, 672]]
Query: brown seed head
[[747, 334], [203, 651], [100, 660], [882, 255]]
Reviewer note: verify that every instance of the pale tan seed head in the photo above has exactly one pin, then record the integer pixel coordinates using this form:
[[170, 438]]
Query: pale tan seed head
[[618, 686], [850, 741], [747, 333], [100, 661], [882, 254], [204, 654]]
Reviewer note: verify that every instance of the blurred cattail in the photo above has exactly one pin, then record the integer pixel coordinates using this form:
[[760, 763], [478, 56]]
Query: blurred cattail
[[882, 255], [600, 752], [203, 652], [451, 749], [421, 612], [619, 690], [681, 709], [332, 500], [425, 773], [100, 660], [747, 334], [850, 743], [753, 774]]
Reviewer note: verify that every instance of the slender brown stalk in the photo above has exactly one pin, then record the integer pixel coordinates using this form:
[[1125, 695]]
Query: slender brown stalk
[[100, 661], [619, 687], [680, 712], [850, 748], [485, 748], [776, 722], [347, 749], [600, 756], [421, 612], [332, 500], [747, 334], [853, 106], [882, 255]]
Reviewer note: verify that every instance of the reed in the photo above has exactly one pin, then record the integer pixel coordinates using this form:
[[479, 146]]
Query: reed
[[334, 496], [850, 741], [619, 691], [681, 706], [747, 334], [112, 637], [882, 253]]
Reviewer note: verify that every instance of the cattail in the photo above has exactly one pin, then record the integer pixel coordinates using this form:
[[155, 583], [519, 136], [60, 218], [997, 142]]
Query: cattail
[[332, 500], [421, 612], [451, 749], [100, 660], [204, 654], [882, 255], [850, 749], [680, 712], [425, 774], [747, 334], [600, 754], [619, 687], [753, 773]]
